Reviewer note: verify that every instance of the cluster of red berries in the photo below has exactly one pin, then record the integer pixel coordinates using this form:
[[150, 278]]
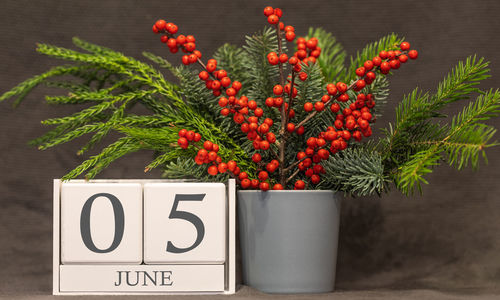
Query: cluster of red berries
[[207, 153], [351, 123], [185, 43]]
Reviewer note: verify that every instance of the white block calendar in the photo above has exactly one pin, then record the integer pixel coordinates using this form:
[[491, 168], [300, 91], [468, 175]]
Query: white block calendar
[[143, 237]]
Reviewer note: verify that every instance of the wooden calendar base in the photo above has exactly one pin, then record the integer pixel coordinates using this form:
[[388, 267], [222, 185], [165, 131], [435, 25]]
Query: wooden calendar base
[[141, 278]]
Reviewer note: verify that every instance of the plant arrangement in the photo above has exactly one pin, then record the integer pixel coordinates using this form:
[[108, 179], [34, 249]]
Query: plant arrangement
[[270, 117]]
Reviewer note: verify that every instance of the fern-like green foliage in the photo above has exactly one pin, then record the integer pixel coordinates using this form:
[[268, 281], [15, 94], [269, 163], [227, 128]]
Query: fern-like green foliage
[[107, 84]]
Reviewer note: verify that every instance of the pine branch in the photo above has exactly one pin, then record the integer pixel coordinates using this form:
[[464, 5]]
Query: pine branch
[[356, 171]]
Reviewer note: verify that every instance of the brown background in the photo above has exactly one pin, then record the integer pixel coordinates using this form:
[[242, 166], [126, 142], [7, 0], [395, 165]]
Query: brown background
[[448, 239]]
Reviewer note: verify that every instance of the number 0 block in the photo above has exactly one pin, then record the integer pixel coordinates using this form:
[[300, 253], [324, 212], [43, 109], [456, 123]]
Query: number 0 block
[[101, 223], [184, 223]]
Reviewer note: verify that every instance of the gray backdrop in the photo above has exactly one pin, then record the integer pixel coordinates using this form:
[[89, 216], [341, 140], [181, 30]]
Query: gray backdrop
[[447, 239]]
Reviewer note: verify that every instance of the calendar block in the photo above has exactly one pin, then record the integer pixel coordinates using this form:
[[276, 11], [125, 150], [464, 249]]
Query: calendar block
[[101, 223], [184, 223], [187, 231]]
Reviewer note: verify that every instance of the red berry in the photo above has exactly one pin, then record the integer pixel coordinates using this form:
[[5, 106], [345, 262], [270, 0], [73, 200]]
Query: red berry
[[277, 186], [343, 98], [403, 58], [185, 60], [290, 127], [211, 67], [190, 39], [413, 54], [190, 47], [315, 179], [273, 19], [256, 157], [270, 167], [311, 142], [290, 36], [222, 167], [319, 106], [377, 61], [264, 145], [331, 89], [197, 137], [172, 29], [278, 12], [370, 76], [160, 24], [312, 43], [212, 170], [263, 175], [245, 183], [404, 46], [225, 81], [360, 71], [383, 54], [183, 142], [293, 60], [283, 58], [395, 64], [299, 184], [203, 75], [341, 87], [230, 92], [236, 85], [208, 145], [270, 102], [190, 135], [308, 106], [335, 107], [243, 175], [268, 11], [360, 84], [303, 76], [278, 90], [182, 132], [255, 183], [181, 39], [300, 130], [273, 59], [192, 58], [368, 65], [385, 67], [264, 186], [155, 29]]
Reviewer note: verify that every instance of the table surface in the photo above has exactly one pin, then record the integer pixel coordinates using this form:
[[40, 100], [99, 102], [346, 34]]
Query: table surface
[[245, 292]]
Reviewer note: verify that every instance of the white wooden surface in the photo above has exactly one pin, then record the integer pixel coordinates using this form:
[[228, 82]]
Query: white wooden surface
[[102, 223], [162, 227]]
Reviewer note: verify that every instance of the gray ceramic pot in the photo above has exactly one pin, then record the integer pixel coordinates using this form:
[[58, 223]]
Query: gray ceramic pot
[[289, 240]]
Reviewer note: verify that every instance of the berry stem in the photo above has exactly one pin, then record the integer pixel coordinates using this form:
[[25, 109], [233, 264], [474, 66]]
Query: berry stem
[[292, 176], [282, 132]]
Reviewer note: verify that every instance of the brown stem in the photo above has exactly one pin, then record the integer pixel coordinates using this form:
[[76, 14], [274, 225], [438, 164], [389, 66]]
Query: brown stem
[[292, 176]]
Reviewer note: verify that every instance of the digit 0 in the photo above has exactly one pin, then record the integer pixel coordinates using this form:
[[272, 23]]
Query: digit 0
[[85, 223]]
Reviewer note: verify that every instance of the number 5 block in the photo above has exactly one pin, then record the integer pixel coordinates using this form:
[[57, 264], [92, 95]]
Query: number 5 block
[[101, 223], [184, 223]]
